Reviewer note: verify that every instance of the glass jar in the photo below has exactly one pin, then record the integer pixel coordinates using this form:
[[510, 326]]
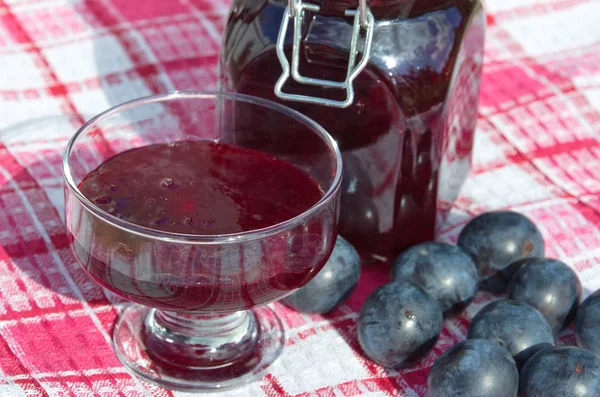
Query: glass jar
[[406, 133]]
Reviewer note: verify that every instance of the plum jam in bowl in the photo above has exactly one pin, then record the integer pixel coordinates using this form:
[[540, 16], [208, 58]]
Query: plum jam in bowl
[[167, 207]]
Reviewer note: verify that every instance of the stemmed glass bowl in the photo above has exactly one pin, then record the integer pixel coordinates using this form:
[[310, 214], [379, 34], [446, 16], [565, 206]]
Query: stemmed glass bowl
[[200, 320]]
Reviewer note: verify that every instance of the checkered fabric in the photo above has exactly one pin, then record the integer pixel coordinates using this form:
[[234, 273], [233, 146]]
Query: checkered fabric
[[62, 61]]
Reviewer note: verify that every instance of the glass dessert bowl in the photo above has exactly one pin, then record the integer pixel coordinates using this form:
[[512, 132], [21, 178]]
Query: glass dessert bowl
[[167, 209]]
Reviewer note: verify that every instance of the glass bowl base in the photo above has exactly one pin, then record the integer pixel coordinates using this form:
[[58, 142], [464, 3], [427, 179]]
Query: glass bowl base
[[198, 355]]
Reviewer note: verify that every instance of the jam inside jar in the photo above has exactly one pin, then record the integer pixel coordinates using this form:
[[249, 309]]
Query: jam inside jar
[[407, 136]]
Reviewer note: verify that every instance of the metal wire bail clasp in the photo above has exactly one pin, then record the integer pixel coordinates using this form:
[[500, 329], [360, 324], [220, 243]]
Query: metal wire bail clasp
[[295, 9]]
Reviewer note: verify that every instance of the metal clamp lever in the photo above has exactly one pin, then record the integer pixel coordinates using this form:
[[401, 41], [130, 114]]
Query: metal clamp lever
[[296, 11]]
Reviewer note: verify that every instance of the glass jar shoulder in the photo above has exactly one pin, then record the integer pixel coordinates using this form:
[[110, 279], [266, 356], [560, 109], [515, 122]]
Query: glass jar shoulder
[[412, 40]]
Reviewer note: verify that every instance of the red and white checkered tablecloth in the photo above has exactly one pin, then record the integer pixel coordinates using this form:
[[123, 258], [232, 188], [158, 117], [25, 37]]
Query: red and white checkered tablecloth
[[62, 61]]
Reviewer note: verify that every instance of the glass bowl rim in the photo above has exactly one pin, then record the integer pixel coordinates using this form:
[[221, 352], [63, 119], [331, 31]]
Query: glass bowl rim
[[239, 237]]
